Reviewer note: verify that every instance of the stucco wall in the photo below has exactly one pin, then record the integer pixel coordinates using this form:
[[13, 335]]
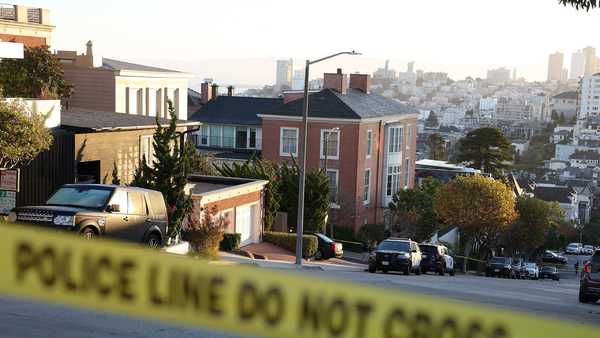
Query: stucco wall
[[93, 89]]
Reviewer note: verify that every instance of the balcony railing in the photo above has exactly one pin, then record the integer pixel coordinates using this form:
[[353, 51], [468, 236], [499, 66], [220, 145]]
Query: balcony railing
[[34, 15], [227, 142], [8, 12]]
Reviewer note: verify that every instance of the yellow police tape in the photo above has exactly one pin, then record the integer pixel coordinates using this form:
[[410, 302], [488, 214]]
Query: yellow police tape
[[126, 279]]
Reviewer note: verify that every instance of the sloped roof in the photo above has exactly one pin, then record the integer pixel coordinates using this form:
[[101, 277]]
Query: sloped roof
[[355, 104], [569, 95], [560, 194], [89, 120], [113, 64], [235, 110], [585, 155]]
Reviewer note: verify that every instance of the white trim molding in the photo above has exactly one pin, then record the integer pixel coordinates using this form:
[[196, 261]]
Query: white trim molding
[[288, 154]]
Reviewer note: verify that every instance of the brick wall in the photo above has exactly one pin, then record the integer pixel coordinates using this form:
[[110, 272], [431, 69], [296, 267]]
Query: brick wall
[[29, 41]]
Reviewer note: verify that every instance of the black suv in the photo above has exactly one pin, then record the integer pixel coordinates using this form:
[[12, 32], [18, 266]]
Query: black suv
[[128, 213], [499, 266], [435, 258], [396, 254], [589, 285]]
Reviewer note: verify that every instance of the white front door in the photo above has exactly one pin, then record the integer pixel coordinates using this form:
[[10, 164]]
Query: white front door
[[243, 224]]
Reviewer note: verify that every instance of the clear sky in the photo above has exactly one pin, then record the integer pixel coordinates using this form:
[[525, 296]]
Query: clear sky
[[238, 41]]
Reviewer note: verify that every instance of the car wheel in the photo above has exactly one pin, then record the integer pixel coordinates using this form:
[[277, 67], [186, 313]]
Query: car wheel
[[88, 233], [372, 269], [451, 272], [583, 297], [318, 255], [385, 271], [153, 241]]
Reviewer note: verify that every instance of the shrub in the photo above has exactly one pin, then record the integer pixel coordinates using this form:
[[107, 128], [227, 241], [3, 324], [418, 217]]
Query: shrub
[[288, 242], [230, 242], [371, 232], [344, 233], [204, 232]]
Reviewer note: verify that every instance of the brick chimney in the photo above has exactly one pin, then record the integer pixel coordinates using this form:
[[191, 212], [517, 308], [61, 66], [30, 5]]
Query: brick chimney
[[361, 82], [205, 91], [214, 91], [336, 81], [230, 90]]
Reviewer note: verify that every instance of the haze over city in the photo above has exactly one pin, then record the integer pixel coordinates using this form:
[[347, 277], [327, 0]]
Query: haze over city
[[237, 42]]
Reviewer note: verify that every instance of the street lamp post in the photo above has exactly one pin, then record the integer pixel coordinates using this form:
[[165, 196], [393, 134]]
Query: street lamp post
[[302, 171]]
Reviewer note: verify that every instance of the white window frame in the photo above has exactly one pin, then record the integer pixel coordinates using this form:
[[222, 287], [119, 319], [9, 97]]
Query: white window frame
[[394, 143], [395, 184], [322, 149], [369, 142], [367, 186], [281, 153], [207, 135], [147, 140], [335, 203]]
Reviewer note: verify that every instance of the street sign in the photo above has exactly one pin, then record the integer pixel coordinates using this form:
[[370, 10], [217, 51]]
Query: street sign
[[8, 200], [9, 179]]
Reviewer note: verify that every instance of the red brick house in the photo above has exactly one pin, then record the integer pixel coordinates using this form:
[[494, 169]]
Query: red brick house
[[366, 142]]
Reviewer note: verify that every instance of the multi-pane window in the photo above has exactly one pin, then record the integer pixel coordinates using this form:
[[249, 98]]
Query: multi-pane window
[[394, 139], [203, 140], [252, 138], [332, 175], [369, 142], [228, 136], [330, 145], [288, 142], [393, 180], [147, 149], [215, 136], [367, 186]]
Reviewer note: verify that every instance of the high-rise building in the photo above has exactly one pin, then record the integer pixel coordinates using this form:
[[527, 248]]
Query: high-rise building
[[410, 67], [577, 64], [589, 54], [285, 69], [498, 75], [298, 79], [514, 76], [589, 96], [555, 67]]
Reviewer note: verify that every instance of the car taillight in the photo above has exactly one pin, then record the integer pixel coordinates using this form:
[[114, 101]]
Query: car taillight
[[333, 247], [586, 267]]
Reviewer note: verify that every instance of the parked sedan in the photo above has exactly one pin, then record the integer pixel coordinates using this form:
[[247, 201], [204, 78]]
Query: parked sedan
[[553, 257], [499, 266], [549, 272], [531, 270], [588, 249], [327, 247]]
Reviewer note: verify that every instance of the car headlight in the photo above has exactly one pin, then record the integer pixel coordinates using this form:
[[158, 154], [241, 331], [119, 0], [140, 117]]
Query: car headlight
[[507, 266], [64, 220]]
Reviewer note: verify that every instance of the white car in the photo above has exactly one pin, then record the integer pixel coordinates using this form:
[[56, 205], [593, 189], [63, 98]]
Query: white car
[[574, 249], [531, 270], [588, 250]]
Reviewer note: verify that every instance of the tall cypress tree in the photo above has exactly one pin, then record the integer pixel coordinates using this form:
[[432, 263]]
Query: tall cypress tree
[[168, 172]]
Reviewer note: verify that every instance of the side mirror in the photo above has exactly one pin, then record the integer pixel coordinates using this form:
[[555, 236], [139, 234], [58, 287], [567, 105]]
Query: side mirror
[[113, 208]]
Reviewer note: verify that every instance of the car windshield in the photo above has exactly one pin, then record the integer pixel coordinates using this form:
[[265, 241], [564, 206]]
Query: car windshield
[[394, 246], [324, 238], [530, 265], [87, 197], [549, 269], [429, 249], [498, 260], [588, 247]]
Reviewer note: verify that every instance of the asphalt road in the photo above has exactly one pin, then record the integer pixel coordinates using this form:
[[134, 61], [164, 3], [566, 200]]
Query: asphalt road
[[543, 297]]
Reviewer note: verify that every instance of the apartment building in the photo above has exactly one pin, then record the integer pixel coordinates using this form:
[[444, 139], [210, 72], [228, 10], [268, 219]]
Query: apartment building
[[123, 87], [589, 96], [564, 103], [27, 25], [366, 144], [509, 109]]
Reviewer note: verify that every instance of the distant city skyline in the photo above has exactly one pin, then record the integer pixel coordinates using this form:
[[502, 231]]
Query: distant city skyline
[[221, 41]]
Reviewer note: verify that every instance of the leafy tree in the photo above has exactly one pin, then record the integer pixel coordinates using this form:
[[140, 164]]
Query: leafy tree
[[580, 4], [38, 75], [168, 173], [486, 149], [413, 211], [259, 169], [204, 232], [536, 219], [482, 208], [436, 147], [115, 175], [432, 120], [201, 163], [22, 135]]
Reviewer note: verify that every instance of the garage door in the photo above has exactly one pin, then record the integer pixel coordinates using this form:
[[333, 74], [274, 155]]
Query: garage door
[[243, 223]]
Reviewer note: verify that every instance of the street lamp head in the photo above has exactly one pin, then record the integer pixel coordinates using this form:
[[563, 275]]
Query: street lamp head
[[353, 52]]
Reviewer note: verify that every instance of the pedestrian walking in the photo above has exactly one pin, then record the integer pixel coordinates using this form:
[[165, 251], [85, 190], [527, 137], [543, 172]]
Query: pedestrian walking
[[576, 268]]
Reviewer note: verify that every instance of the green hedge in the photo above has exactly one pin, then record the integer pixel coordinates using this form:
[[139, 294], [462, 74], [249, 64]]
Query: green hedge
[[230, 242], [342, 232], [288, 241]]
